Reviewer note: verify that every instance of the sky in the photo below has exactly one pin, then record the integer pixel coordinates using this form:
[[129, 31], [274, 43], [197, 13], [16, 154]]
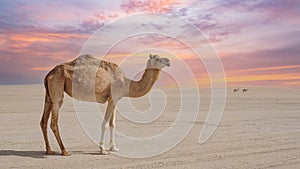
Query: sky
[[258, 41]]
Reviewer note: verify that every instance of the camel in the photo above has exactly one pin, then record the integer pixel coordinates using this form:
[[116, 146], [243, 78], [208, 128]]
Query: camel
[[110, 85], [236, 90], [245, 90]]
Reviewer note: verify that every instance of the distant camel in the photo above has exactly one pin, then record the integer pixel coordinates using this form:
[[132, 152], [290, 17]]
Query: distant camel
[[236, 90], [110, 84], [245, 90]]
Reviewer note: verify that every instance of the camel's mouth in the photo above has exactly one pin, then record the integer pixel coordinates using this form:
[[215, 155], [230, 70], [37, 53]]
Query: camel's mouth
[[166, 61]]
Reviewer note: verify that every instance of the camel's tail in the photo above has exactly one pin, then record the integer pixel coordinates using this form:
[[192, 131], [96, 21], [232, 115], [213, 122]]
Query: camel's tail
[[47, 96]]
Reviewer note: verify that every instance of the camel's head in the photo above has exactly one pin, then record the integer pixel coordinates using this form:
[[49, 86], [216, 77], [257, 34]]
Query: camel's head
[[157, 62]]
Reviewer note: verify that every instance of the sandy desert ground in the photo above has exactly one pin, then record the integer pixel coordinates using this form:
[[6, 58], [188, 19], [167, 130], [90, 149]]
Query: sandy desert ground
[[259, 129]]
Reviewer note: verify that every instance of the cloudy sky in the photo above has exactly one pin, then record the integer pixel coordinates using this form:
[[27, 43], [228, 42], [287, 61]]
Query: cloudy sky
[[258, 41]]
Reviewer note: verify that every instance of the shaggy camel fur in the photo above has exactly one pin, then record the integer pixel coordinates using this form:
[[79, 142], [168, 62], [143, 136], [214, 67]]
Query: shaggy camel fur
[[89, 79]]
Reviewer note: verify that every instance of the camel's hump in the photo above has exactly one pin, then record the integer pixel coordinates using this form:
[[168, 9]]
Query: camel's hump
[[87, 59], [87, 65], [90, 60]]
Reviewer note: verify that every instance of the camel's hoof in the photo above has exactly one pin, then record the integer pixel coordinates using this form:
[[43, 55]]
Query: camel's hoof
[[65, 153], [50, 152], [103, 152], [114, 149]]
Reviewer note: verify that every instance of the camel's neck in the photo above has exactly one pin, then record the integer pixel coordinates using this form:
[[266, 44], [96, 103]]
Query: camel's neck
[[143, 86]]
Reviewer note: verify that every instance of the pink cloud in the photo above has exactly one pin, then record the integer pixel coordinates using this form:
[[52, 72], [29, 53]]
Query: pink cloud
[[130, 6]]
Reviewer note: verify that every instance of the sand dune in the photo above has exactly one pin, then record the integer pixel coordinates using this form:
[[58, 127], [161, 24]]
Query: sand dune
[[259, 129]]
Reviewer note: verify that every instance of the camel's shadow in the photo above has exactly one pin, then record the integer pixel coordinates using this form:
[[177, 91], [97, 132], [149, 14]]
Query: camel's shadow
[[38, 154], [32, 154]]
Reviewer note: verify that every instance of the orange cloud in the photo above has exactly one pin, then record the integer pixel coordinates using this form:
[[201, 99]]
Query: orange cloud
[[44, 37], [271, 68], [272, 77], [149, 5], [284, 79], [46, 68], [22, 41]]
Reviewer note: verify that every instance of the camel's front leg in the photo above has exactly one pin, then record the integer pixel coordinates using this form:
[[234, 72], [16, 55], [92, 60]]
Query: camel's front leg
[[101, 145], [108, 114], [112, 146]]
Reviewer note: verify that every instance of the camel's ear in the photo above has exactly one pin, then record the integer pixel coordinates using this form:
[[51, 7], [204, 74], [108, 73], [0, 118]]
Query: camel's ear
[[151, 57]]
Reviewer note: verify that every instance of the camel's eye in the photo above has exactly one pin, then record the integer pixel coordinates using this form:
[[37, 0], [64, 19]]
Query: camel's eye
[[157, 59]]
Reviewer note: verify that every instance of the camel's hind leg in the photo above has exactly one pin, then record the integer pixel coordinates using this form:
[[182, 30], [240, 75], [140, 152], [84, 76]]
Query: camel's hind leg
[[44, 122], [56, 93], [54, 126]]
